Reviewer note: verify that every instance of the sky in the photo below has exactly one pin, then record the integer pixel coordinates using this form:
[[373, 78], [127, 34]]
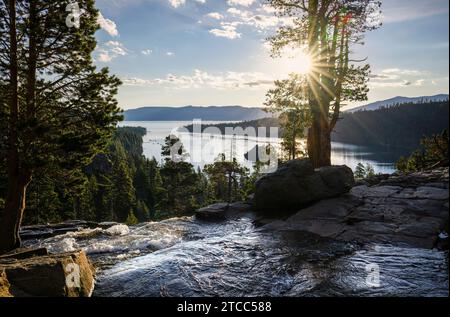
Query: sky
[[214, 52]]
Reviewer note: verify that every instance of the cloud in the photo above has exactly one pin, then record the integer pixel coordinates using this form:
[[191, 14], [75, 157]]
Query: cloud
[[215, 15], [396, 77], [227, 30], [400, 72], [179, 3], [110, 50], [147, 52], [245, 3], [108, 25], [260, 19], [202, 79], [170, 54]]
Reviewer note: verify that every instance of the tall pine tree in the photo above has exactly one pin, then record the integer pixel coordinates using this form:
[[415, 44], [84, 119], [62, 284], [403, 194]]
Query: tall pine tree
[[60, 110]]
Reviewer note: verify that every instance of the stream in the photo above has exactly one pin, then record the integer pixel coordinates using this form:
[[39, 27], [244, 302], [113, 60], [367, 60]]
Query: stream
[[237, 258]]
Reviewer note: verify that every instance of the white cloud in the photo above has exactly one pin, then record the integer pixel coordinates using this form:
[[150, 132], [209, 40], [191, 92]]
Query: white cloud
[[396, 77], [397, 71], [179, 3], [146, 52], [170, 54], [260, 19], [245, 3], [227, 30], [215, 15], [108, 25], [104, 57], [110, 50], [202, 79], [397, 84]]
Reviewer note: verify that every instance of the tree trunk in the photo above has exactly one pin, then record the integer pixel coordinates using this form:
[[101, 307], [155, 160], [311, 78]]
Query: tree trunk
[[319, 142], [13, 212], [17, 179], [230, 179]]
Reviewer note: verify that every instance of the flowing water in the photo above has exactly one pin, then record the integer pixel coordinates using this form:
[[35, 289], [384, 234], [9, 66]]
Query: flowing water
[[189, 257]]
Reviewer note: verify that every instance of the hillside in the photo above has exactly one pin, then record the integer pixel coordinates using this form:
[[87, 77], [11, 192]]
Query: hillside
[[400, 126], [399, 100], [227, 113]]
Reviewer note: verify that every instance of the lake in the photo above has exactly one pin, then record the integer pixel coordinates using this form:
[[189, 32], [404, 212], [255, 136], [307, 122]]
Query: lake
[[203, 148]]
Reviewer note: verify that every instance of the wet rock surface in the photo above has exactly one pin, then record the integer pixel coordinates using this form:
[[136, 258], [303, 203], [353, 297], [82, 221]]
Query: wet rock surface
[[402, 209], [52, 230]]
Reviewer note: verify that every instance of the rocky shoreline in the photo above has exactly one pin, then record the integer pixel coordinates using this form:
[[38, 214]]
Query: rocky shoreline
[[410, 210], [406, 210]]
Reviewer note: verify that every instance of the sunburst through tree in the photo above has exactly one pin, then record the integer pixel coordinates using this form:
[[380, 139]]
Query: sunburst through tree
[[326, 30]]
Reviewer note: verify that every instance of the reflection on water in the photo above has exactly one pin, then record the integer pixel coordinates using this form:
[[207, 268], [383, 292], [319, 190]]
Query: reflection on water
[[203, 149], [381, 158]]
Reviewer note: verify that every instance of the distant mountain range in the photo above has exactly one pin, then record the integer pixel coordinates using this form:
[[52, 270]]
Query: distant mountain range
[[398, 100], [238, 113], [225, 113]]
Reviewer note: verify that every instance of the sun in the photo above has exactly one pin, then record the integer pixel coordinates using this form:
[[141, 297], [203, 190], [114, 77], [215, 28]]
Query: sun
[[297, 61], [303, 63]]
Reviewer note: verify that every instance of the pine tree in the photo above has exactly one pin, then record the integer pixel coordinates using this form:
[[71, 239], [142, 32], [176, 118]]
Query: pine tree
[[142, 212], [225, 175], [123, 193], [370, 171], [59, 109], [179, 178], [360, 171], [289, 100]]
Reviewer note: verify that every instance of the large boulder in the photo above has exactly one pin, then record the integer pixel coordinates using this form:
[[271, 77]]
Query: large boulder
[[62, 275], [296, 184], [212, 212]]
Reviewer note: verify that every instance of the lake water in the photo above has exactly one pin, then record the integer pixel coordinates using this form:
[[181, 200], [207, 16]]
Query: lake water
[[203, 148]]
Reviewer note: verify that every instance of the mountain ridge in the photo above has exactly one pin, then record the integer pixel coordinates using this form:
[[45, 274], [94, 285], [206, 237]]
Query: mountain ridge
[[241, 113], [398, 100], [185, 113]]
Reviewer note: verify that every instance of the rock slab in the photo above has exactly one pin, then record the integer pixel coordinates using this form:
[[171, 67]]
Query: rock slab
[[411, 212]]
